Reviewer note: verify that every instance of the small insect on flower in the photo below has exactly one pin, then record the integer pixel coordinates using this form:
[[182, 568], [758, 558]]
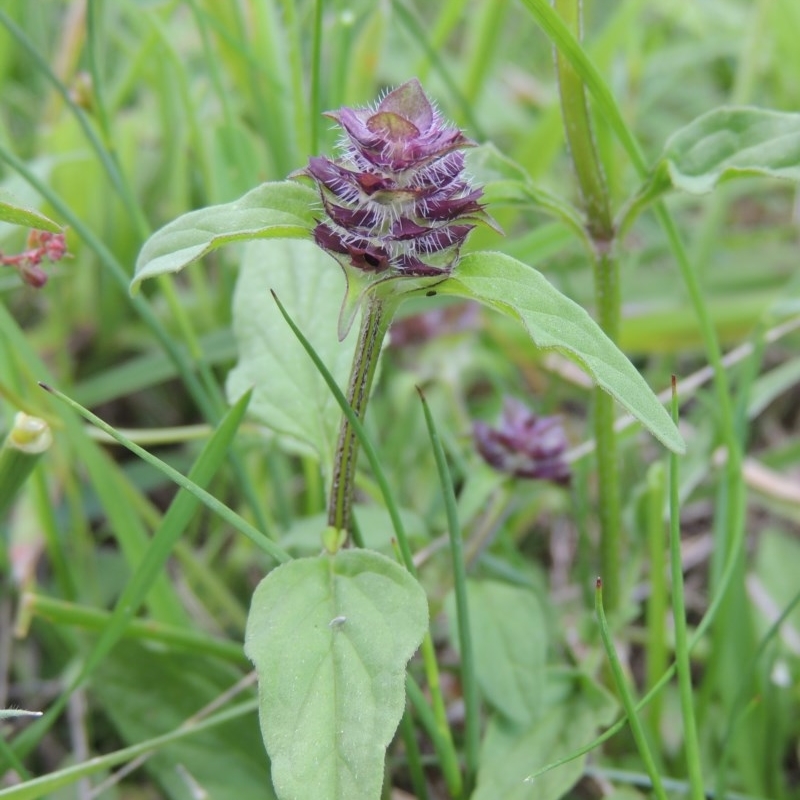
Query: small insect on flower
[[396, 200]]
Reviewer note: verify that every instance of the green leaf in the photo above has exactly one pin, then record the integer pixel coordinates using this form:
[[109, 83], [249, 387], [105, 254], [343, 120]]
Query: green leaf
[[776, 550], [330, 638], [554, 321], [729, 142], [725, 143], [506, 182], [271, 211], [575, 708], [146, 692], [290, 397], [12, 212], [509, 635]]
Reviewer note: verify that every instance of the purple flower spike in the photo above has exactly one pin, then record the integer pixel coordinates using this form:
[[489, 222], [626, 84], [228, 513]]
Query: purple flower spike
[[396, 200], [525, 445]]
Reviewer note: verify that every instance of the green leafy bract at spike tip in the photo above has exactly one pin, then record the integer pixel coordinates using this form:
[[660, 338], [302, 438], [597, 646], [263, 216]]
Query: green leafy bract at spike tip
[[271, 211], [330, 638], [556, 322], [725, 143]]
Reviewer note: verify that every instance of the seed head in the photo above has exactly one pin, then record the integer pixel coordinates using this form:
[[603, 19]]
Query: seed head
[[396, 200]]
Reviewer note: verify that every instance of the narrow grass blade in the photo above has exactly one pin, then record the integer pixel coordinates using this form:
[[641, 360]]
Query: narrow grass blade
[[700, 631], [211, 502], [47, 784], [658, 601], [413, 757], [691, 744], [468, 678], [60, 612], [442, 743], [626, 696], [8, 756], [150, 568]]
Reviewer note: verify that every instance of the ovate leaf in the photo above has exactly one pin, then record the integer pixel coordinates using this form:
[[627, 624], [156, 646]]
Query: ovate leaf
[[271, 211], [330, 638], [556, 322], [290, 397], [728, 142], [12, 212], [725, 143], [509, 639], [575, 708]]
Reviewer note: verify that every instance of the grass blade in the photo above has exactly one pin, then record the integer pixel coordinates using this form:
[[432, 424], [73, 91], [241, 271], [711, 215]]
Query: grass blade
[[469, 680], [626, 696], [683, 666], [45, 785], [211, 502]]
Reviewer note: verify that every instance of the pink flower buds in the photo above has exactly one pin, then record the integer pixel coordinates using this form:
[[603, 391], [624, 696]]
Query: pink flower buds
[[41, 245]]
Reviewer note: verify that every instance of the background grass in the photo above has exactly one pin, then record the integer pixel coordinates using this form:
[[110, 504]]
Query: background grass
[[115, 117]]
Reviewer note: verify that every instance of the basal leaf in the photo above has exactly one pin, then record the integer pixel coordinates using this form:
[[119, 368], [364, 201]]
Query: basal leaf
[[510, 753], [330, 637], [556, 322], [509, 637], [290, 397], [725, 143], [15, 214], [271, 211]]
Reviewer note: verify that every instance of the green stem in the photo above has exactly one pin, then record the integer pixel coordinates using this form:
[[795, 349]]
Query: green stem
[[374, 324], [436, 719], [600, 227]]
